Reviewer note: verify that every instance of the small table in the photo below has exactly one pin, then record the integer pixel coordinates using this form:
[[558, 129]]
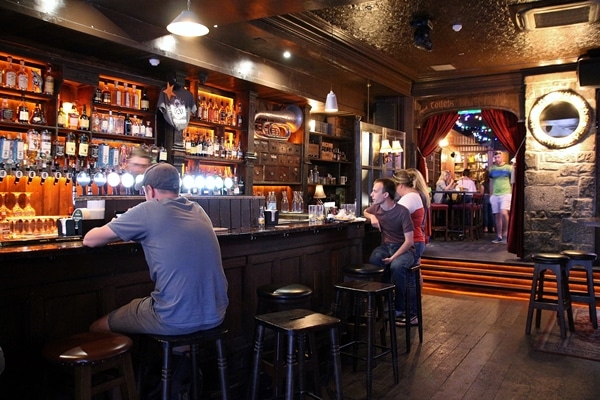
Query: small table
[[456, 197]]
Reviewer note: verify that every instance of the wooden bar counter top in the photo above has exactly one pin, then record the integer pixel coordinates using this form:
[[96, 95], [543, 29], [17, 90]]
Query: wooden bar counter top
[[55, 289]]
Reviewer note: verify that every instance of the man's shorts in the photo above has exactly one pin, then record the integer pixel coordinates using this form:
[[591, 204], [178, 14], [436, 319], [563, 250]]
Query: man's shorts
[[500, 202]]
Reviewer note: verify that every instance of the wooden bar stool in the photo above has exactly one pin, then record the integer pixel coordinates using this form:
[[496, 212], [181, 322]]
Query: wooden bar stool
[[363, 272], [90, 353], [585, 260], [194, 340], [439, 212], [416, 271], [295, 325], [376, 294], [557, 263], [282, 296]]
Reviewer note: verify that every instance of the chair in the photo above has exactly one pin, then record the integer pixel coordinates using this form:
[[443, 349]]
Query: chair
[[91, 355], [376, 294], [295, 325], [416, 271], [584, 260], [560, 301], [439, 219], [194, 340]]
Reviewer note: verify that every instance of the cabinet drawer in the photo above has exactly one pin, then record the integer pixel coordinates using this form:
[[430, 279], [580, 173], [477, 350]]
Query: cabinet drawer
[[259, 174]]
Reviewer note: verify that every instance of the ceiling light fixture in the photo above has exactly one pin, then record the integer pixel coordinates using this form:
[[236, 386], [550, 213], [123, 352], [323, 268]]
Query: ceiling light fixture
[[187, 24], [331, 104]]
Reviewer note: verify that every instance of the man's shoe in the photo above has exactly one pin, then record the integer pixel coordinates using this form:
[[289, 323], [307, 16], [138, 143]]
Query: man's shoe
[[402, 321], [497, 240]]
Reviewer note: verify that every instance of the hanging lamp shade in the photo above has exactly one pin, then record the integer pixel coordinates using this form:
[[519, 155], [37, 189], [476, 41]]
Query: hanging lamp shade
[[331, 102], [187, 24]]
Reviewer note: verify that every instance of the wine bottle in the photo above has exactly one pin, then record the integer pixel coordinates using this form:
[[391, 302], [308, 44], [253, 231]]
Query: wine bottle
[[145, 102], [49, 81], [84, 120]]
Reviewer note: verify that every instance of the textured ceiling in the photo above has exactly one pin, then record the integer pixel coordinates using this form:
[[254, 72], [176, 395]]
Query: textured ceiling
[[372, 40]]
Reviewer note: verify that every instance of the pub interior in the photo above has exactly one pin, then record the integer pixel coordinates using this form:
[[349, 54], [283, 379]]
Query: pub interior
[[368, 88]]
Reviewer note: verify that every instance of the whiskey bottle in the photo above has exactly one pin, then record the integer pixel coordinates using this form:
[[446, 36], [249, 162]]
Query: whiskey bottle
[[10, 75], [117, 95], [127, 126], [95, 121], [97, 99], [49, 81], [33, 145], [45, 145], [240, 119], [106, 97], [84, 146], [23, 112], [73, 117], [126, 95], [6, 113], [36, 115], [84, 120], [22, 78], [145, 102], [61, 119], [135, 97], [70, 145], [222, 114]]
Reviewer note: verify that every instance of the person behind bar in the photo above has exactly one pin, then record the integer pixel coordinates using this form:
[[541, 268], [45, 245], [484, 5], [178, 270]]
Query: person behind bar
[[501, 188], [139, 160], [182, 253], [397, 252]]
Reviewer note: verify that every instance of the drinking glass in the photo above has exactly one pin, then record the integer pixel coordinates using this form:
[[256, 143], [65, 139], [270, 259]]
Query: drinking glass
[[351, 210], [312, 214], [28, 211], [320, 217], [17, 209]]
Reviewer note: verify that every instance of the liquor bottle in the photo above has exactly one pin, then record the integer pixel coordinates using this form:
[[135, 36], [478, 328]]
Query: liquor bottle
[[103, 155], [95, 121], [135, 126], [110, 126], [222, 114], [49, 81], [22, 78], [18, 149], [119, 124], [84, 120], [84, 146], [204, 109], [70, 145], [145, 102], [6, 113], [163, 155], [6, 149], [45, 145], [240, 153], [106, 97], [97, 99], [215, 114], [240, 119], [135, 97], [73, 117], [117, 95], [271, 201], [36, 115], [33, 145], [126, 95], [36, 81], [127, 126], [10, 75], [61, 119], [148, 129], [58, 150], [23, 112]]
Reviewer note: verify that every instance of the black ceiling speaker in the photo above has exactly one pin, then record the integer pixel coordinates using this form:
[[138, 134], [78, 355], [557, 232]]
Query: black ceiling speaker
[[588, 71], [423, 28]]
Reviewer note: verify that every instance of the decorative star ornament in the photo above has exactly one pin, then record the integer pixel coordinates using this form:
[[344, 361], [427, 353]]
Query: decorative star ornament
[[169, 91]]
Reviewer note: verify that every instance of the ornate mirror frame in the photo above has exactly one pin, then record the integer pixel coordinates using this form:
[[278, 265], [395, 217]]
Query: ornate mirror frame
[[561, 102]]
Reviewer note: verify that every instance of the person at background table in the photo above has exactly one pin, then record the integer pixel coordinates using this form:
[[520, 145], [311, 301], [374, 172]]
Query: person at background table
[[501, 189], [412, 200], [396, 254], [444, 182], [465, 183], [183, 256]]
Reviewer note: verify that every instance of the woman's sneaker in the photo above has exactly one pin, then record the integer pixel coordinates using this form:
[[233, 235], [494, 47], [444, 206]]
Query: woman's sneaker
[[498, 240], [402, 321]]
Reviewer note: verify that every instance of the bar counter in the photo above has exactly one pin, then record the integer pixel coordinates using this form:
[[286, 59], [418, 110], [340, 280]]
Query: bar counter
[[51, 290]]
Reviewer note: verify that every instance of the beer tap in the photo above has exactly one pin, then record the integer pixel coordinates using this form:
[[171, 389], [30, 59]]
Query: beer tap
[[43, 175], [56, 174], [18, 175], [3, 173], [30, 175]]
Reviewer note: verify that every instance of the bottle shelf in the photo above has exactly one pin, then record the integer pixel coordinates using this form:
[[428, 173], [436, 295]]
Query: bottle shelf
[[123, 110], [29, 95], [330, 137], [16, 126]]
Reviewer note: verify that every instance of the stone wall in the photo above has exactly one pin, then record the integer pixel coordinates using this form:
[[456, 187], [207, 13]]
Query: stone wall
[[560, 184]]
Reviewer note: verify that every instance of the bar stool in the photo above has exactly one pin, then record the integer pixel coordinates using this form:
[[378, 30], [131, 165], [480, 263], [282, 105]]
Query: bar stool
[[584, 260], [416, 271], [91, 353], [282, 296], [363, 272], [194, 340], [557, 263], [439, 212], [295, 325], [375, 293]]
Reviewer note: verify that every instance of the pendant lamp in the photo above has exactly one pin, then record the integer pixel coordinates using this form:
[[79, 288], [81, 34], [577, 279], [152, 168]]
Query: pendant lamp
[[187, 24], [331, 104]]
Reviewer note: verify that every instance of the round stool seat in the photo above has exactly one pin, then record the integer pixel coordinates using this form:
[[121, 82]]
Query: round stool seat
[[579, 255], [549, 258], [365, 270], [87, 347], [282, 292], [439, 206]]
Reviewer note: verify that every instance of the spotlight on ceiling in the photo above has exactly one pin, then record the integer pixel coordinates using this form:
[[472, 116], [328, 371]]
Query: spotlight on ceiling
[[423, 28]]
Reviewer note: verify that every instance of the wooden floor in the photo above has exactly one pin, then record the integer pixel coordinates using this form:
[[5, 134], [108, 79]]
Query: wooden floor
[[476, 348]]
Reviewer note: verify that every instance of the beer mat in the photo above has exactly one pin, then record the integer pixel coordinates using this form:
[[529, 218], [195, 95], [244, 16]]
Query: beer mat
[[219, 229]]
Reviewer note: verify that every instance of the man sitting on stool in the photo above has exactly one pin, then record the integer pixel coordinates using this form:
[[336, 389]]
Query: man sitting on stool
[[397, 252]]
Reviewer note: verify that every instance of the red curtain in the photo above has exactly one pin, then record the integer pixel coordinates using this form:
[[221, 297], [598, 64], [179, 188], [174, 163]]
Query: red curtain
[[511, 133], [434, 129]]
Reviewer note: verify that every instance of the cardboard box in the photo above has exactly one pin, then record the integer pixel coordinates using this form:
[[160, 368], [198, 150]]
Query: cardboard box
[[326, 151], [313, 151]]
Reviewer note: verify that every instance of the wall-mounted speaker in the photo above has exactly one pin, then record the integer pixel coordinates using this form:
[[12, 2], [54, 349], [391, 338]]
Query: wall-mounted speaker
[[588, 71]]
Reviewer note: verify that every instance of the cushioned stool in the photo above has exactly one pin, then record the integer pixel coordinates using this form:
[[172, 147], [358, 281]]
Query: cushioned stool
[[282, 296], [91, 353], [194, 340], [557, 263], [415, 270], [376, 294], [295, 325], [584, 260], [363, 272], [439, 219]]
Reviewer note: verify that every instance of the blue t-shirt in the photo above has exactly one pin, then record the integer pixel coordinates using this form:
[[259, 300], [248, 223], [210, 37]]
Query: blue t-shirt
[[184, 258]]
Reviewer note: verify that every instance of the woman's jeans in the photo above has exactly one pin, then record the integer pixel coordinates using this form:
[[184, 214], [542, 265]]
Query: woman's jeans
[[397, 272]]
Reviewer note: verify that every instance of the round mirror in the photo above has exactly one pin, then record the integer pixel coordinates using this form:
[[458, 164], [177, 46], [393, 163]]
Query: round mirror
[[559, 119]]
